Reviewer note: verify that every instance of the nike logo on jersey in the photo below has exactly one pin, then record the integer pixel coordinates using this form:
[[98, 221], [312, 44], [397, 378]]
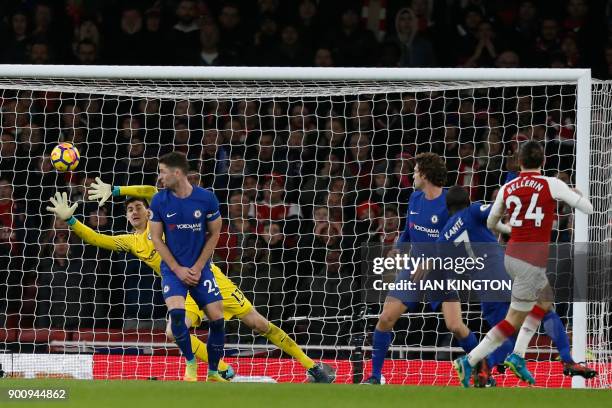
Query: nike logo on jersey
[[170, 215], [414, 213]]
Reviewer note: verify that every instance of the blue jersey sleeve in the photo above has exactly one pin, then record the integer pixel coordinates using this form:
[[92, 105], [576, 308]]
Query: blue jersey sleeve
[[212, 210], [480, 211], [155, 208], [511, 175]]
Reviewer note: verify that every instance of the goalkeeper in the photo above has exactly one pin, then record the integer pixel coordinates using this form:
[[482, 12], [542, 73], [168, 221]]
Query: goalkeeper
[[138, 243]]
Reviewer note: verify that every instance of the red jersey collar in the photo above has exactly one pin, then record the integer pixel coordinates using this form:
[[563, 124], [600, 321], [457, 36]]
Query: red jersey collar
[[529, 173]]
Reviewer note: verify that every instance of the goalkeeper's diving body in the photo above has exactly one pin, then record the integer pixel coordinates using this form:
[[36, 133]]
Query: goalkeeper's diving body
[[138, 243]]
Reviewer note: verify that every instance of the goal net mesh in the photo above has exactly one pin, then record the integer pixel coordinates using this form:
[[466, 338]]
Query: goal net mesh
[[306, 173]]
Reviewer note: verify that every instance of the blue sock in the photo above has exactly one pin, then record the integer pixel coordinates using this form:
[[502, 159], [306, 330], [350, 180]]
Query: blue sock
[[215, 343], [181, 332], [499, 355], [380, 345], [556, 331], [469, 342]]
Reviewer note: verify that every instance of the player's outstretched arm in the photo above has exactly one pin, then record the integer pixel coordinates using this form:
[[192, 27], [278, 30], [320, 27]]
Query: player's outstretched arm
[[62, 209], [101, 191], [562, 192]]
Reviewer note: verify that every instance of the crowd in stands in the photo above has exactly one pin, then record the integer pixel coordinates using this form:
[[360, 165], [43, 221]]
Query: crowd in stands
[[372, 33]]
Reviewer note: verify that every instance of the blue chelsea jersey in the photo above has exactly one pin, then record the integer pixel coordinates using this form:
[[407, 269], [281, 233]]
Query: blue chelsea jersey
[[425, 218], [471, 221], [467, 231], [184, 222]]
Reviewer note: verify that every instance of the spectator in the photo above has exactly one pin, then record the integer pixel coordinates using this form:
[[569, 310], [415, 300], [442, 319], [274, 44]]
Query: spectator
[[308, 24], [15, 49], [88, 32], [524, 30], [249, 187], [49, 29], [209, 50], [508, 59], [469, 174], [547, 43], [466, 35], [485, 51], [184, 38], [128, 46], [8, 148], [383, 191], [389, 230], [416, 50], [359, 160], [290, 51], [323, 58], [155, 38], [272, 206], [570, 52], [233, 40], [39, 53], [87, 53], [65, 289], [265, 41], [264, 158], [352, 45], [11, 222]]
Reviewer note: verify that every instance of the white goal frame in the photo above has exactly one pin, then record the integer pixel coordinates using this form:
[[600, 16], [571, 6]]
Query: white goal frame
[[582, 77]]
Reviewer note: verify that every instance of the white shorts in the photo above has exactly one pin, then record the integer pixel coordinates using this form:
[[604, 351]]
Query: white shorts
[[528, 281]]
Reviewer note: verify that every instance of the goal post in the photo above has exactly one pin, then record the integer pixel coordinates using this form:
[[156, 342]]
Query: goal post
[[282, 89]]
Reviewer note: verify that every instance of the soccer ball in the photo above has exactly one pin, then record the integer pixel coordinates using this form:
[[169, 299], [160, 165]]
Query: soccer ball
[[65, 157]]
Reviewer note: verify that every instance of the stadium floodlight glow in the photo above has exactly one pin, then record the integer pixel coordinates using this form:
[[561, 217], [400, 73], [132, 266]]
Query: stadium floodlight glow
[[320, 317]]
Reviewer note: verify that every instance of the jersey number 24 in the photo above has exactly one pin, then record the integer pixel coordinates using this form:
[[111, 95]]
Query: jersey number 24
[[533, 211]]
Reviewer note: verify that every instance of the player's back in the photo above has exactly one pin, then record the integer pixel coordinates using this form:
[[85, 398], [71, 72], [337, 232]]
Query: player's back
[[530, 201], [531, 206], [468, 227]]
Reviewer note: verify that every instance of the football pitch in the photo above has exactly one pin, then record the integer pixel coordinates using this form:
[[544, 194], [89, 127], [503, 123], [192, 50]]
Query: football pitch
[[132, 394]]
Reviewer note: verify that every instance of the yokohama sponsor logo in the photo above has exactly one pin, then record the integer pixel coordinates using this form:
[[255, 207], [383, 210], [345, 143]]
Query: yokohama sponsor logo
[[194, 227], [434, 233]]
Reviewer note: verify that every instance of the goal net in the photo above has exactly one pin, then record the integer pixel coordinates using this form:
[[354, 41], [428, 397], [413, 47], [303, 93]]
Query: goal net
[[308, 171]]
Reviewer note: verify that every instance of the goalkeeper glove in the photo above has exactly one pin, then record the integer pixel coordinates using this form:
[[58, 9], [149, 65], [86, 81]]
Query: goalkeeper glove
[[61, 207], [100, 191]]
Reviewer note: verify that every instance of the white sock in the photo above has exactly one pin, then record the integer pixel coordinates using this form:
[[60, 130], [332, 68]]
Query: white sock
[[528, 329], [494, 338]]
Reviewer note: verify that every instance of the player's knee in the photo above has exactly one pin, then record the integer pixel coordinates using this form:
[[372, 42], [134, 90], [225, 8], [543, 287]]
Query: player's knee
[[386, 321], [457, 328]]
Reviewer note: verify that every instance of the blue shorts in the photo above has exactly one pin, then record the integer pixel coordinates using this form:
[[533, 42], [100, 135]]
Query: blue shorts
[[205, 292], [412, 298]]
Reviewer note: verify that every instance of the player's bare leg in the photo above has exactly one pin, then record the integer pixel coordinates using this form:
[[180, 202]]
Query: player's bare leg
[[216, 339], [180, 333], [453, 320], [258, 323], [392, 311]]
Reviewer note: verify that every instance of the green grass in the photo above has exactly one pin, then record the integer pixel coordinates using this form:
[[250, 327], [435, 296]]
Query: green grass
[[150, 394]]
